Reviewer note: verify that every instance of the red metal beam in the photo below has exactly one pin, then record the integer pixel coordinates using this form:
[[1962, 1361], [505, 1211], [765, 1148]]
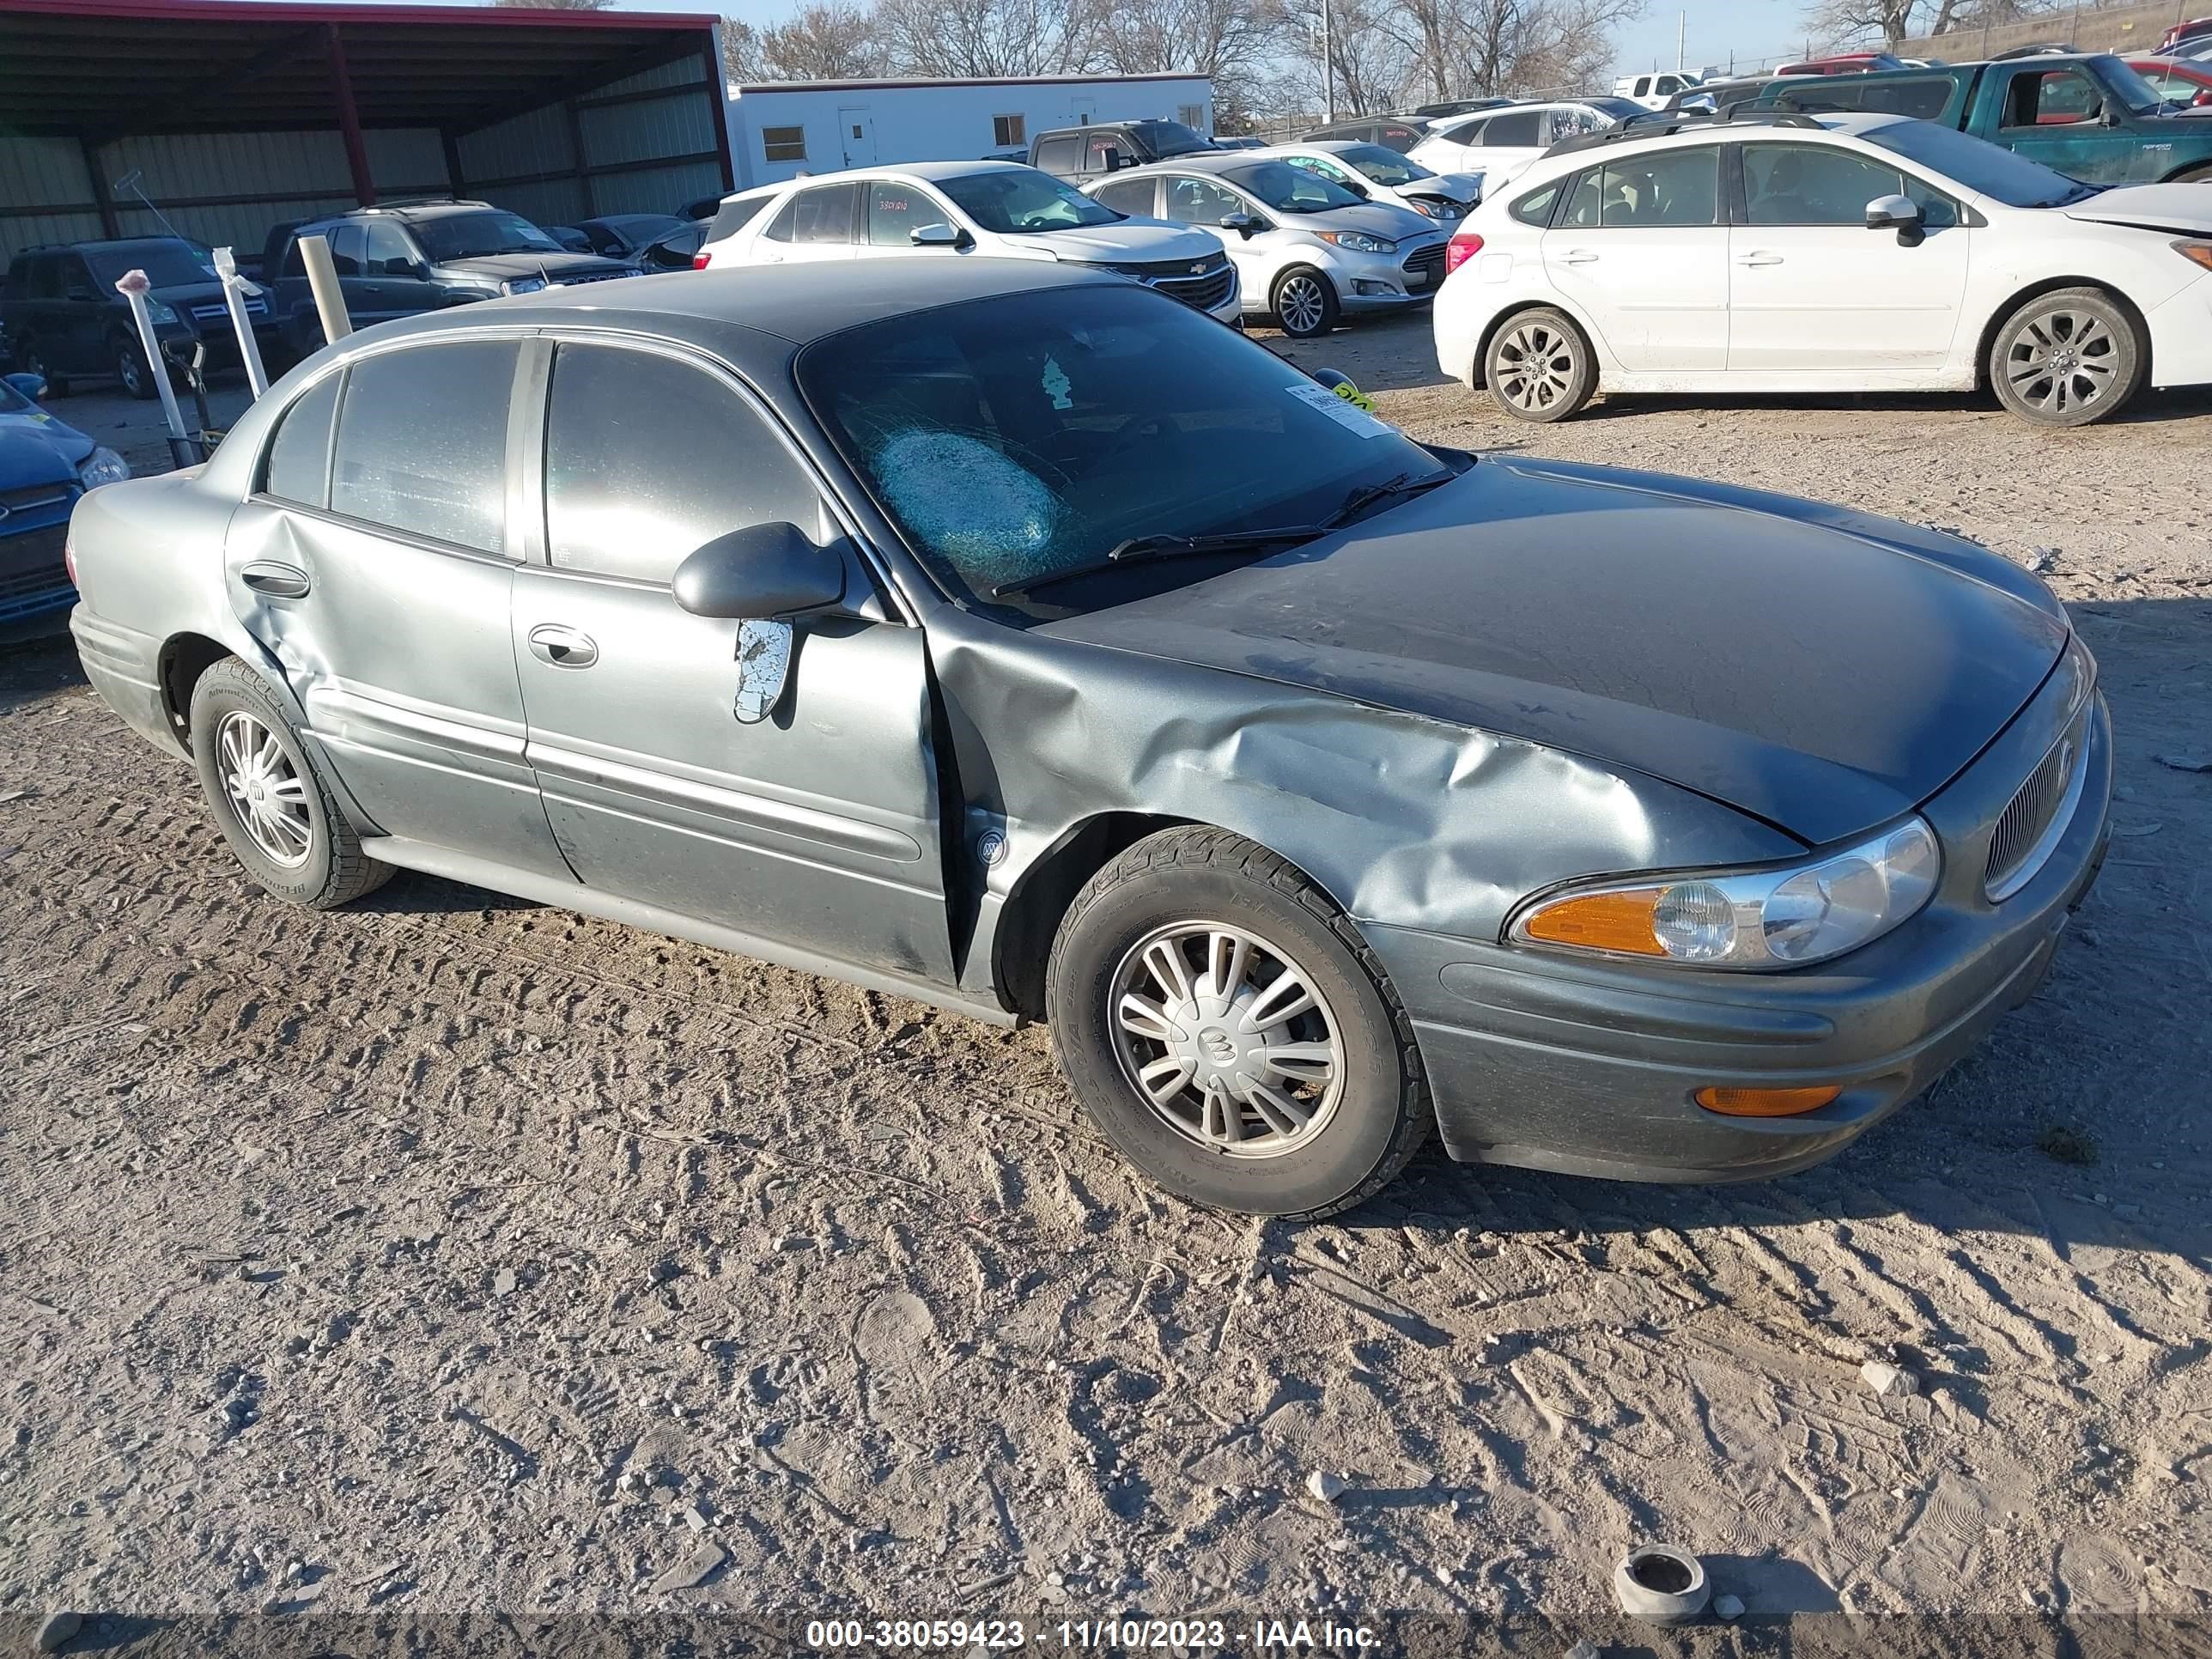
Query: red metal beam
[[717, 111], [276, 12], [364, 186]]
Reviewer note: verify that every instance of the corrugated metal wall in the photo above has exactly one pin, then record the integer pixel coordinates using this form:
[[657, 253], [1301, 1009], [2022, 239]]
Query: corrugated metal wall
[[534, 165], [648, 145]]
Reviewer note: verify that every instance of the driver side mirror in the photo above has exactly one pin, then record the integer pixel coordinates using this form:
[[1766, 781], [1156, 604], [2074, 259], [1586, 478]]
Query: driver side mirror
[[1899, 213], [760, 573], [1357, 189], [399, 266], [1115, 160], [1242, 223], [939, 236], [32, 386]]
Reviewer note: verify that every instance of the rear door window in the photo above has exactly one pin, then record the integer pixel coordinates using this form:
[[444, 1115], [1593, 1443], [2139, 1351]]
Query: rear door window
[[299, 468], [1520, 128], [422, 442], [349, 249], [822, 215]]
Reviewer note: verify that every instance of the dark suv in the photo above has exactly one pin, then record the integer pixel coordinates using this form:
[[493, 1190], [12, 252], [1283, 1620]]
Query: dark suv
[[61, 314], [397, 261], [1080, 155]]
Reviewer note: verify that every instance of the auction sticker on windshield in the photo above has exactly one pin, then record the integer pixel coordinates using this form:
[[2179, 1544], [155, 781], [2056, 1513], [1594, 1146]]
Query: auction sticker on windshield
[[1342, 412]]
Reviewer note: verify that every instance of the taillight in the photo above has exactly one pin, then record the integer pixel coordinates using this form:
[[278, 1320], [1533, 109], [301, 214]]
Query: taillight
[[1463, 246], [699, 260]]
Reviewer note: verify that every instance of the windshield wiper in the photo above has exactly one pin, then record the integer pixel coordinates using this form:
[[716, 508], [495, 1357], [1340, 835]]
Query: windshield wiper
[[1142, 549], [1405, 484]]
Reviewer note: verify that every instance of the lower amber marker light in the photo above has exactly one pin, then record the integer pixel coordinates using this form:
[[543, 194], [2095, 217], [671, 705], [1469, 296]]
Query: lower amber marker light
[[1766, 1102]]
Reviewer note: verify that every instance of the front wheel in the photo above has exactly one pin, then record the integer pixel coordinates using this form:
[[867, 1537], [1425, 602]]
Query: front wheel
[[1225, 1024], [2067, 358], [32, 357], [1304, 302], [269, 800], [1539, 367]]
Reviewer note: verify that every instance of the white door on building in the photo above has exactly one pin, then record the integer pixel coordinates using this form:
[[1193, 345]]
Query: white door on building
[[856, 134]]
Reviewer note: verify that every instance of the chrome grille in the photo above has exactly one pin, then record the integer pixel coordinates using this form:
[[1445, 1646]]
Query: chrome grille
[[2032, 820], [567, 280], [1203, 292], [1424, 266], [216, 311]]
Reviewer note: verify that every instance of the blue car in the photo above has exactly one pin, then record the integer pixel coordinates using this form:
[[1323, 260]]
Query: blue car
[[44, 465]]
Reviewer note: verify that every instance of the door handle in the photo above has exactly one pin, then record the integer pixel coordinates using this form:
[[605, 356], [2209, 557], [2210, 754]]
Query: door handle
[[1579, 256], [279, 582], [1760, 258], [564, 647]]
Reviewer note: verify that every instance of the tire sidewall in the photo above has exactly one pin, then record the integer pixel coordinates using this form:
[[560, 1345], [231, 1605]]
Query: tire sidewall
[[1360, 1135], [2123, 329], [1330, 310], [129, 362], [1583, 386], [228, 688]]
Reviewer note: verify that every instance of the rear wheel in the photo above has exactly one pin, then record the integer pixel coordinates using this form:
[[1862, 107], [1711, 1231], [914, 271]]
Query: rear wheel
[[2067, 358], [269, 802], [130, 367], [1304, 302], [1540, 367], [1224, 1023]]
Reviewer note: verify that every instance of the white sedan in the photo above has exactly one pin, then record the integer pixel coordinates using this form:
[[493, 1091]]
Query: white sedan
[[1850, 253], [941, 209]]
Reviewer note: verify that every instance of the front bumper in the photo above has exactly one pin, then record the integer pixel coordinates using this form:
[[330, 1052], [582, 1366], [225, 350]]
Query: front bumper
[[1588, 1067]]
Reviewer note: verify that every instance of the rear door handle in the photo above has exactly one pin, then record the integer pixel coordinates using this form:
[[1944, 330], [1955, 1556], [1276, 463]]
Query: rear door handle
[[564, 647], [1580, 256], [279, 582], [1761, 257]]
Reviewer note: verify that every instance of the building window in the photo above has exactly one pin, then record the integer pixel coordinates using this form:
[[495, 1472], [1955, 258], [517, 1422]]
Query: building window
[[1007, 130], [1192, 116], [784, 144]]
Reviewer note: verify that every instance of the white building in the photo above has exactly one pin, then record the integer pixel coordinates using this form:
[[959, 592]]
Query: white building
[[779, 131]]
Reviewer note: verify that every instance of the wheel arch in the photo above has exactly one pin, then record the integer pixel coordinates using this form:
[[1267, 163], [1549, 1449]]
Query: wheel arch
[[2036, 290], [184, 658], [1522, 307], [1031, 916]]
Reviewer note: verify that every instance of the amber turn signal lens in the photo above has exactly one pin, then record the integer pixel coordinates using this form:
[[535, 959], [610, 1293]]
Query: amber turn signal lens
[[1601, 922], [1766, 1102], [2197, 253]]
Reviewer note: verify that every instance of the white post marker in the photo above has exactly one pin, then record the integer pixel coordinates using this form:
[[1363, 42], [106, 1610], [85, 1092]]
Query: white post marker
[[323, 283], [236, 291], [132, 286]]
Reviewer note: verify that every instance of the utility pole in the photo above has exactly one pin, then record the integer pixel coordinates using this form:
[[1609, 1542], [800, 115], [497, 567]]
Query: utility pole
[[1327, 71], [1681, 28]]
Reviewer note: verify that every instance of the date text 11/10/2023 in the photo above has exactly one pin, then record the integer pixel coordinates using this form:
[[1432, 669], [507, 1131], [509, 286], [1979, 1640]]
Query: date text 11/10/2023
[[1174, 1636]]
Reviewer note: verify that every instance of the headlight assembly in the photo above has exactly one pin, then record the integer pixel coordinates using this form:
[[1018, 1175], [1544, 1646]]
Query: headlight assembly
[[102, 467], [1783, 917], [1357, 241], [156, 312]]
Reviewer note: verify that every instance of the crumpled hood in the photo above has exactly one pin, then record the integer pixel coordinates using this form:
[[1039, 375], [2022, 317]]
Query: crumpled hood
[[1133, 241], [2165, 207], [1450, 186], [556, 266], [1823, 670], [33, 452]]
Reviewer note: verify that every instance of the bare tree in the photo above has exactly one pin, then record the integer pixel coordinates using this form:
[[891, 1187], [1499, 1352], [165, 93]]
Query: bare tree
[[963, 39], [833, 41], [1231, 42]]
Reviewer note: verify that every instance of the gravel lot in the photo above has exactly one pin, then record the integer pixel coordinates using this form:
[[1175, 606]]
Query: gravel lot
[[450, 1255]]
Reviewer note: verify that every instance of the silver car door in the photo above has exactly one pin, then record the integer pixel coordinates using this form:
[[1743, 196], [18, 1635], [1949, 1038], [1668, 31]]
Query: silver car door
[[814, 827], [372, 562]]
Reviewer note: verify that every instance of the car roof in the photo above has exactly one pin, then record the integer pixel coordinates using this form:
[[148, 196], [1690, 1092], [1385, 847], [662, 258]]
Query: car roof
[[926, 172], [1692, 129], [795, 303]]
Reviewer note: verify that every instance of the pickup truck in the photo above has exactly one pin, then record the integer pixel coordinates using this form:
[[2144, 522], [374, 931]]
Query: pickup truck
[[1080, 155], [2086, 115]]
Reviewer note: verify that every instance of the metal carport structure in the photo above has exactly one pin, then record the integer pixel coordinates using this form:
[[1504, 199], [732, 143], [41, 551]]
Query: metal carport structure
[[235, 116]]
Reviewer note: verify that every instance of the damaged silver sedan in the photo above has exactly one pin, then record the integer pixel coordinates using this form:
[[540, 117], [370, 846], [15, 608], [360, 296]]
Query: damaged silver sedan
[[1017, 639]]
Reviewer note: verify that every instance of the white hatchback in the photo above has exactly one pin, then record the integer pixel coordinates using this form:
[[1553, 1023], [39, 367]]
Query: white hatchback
[[1849, 252], [941, 209], [1498, 143]]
